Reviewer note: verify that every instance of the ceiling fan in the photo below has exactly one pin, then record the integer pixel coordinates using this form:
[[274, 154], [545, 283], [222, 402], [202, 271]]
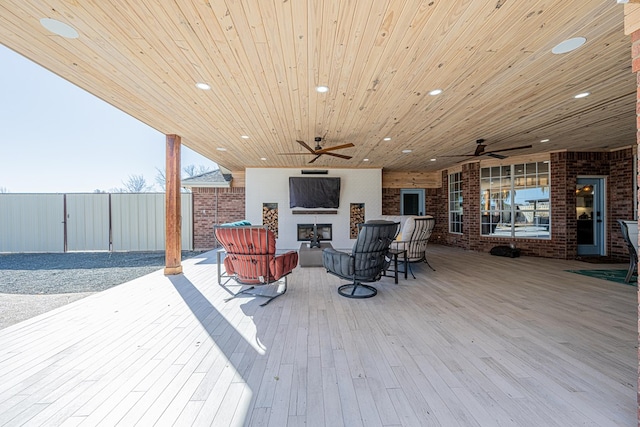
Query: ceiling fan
[[319, 151], [480, 151]]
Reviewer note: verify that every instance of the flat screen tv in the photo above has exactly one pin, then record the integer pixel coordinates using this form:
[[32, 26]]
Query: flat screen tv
[[306, 192]]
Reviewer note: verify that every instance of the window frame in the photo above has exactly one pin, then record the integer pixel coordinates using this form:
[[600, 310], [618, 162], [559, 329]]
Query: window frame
[[455, 180], [499, 206]]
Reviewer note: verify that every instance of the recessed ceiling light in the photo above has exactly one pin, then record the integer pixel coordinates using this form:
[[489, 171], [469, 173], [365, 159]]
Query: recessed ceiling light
[[406, 151], [203, 86], [245, 137], [263, 158], [544, 140], [365, 160], [221, 149], [568, 45], [433, 160], [387, 139], [322, 89], [435, 92], [582, 95], [59, 28]]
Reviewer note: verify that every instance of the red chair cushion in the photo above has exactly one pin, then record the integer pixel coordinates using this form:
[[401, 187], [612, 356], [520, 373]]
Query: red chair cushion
[[283, 264], [251, 255]]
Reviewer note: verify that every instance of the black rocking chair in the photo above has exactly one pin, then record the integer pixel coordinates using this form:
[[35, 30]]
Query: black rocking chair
[[367, 261]]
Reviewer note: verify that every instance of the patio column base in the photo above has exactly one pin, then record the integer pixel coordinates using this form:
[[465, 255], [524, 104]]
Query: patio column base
[[170, 271]]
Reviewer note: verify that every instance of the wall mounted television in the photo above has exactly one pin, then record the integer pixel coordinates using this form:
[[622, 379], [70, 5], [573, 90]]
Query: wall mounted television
[[306, 192]]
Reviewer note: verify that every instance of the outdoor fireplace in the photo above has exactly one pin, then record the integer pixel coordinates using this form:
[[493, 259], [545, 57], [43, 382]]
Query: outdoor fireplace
[[306, 233]]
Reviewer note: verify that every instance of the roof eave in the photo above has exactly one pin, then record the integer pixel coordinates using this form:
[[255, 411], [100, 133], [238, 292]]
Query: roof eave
[[207, 185]]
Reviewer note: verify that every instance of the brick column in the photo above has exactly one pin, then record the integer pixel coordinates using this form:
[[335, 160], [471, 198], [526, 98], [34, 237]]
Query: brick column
[[215, 206]]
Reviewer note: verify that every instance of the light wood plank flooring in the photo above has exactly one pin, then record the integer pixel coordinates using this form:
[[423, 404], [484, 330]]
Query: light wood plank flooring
[[482, 341]]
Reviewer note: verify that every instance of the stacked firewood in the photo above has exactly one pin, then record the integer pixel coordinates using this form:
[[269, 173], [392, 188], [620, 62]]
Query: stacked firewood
[[356, 216], [270, 217]]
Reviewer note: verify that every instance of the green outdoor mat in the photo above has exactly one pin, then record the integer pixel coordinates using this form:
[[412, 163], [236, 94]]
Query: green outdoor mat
[[610, 275]]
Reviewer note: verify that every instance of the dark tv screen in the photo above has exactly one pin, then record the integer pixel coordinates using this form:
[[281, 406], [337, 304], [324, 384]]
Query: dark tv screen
[[307, 192]]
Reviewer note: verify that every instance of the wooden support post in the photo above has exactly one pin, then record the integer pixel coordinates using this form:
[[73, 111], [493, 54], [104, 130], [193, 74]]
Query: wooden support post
[[173, 235]]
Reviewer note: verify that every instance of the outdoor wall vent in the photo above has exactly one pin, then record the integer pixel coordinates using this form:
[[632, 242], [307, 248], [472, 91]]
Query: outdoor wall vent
[[314, 172]]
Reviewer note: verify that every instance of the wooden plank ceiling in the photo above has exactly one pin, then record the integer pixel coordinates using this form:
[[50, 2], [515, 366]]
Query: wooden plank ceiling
[[263, 60]]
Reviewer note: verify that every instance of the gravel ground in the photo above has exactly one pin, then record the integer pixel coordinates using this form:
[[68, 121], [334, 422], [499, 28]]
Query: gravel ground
[[32, 284]]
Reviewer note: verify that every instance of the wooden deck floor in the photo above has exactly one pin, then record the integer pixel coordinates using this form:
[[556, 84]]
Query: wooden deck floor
[[482, 341]]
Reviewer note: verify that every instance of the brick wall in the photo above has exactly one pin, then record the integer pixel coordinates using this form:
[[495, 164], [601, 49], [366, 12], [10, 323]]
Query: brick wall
[[620, 198], [215, 206], [565, 169], [390, 201], [437, 202], [617, 167], [562, 207]]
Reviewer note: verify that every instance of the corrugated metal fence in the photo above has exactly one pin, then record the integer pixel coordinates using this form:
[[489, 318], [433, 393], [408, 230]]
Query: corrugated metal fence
[[88, 222]]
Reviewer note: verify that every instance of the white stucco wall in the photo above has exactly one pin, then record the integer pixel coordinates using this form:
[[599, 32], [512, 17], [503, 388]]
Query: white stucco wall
[[265, 185]]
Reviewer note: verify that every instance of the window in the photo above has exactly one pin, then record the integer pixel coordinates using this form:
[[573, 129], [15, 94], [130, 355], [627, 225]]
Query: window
[[455, 202], [514, 200]]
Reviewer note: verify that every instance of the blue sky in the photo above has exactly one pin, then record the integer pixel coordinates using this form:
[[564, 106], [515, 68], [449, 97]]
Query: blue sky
[[58, 138]]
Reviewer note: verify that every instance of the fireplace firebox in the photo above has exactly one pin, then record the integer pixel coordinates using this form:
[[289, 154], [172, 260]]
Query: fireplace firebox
[[306, 233]]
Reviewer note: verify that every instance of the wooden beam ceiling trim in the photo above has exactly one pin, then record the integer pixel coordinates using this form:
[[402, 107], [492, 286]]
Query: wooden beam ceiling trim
[[411, 179]]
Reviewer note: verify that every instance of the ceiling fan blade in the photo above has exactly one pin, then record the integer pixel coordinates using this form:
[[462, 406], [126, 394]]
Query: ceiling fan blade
[[304, 144], [479, 149], [522, 147], [294, 154], [336, 147], [315, 158], [480, 152], [460, 155], [342, 156]]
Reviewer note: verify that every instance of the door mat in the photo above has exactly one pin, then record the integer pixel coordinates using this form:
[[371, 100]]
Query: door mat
[[610, 275]]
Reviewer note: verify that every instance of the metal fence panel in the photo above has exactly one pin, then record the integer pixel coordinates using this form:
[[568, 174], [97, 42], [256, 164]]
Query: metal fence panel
[[31, 223], [186, 205], [87, 222], [138, 221], [35, 222]]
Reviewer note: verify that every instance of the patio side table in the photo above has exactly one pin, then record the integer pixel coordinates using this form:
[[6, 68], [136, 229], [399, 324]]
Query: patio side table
[[395, 253]]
